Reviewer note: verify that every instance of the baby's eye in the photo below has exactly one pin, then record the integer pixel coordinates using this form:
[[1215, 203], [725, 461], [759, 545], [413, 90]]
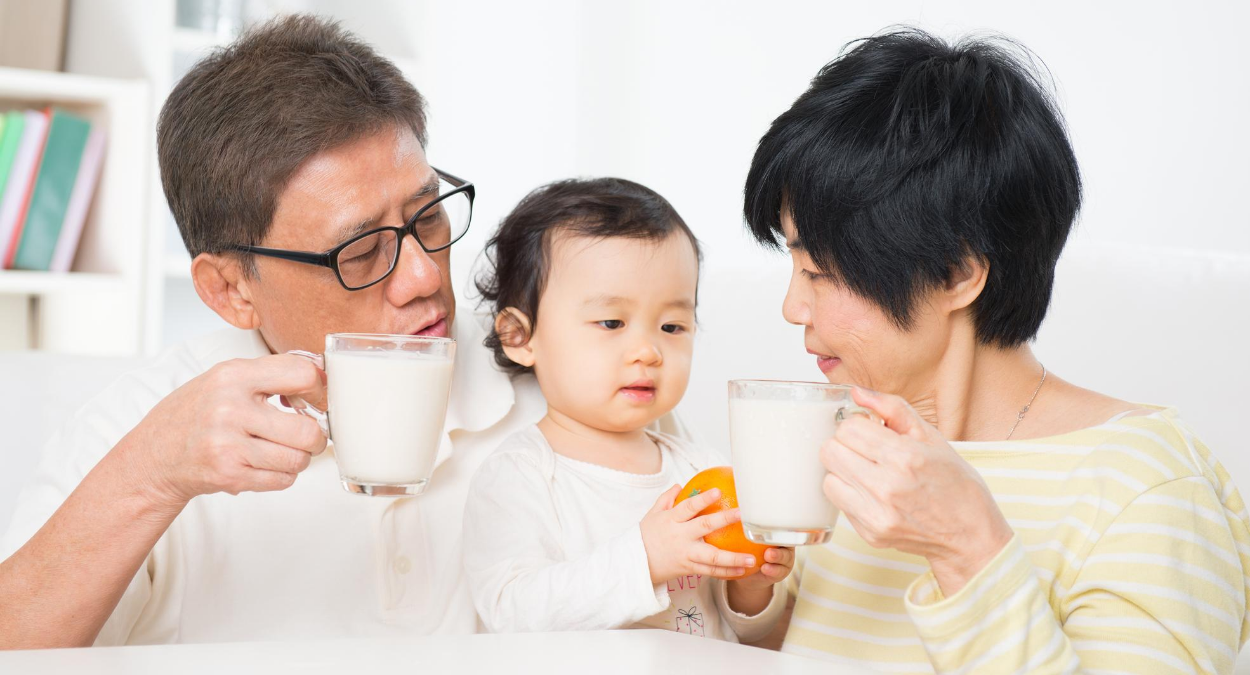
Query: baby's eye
[[611, 324], [672, 328]]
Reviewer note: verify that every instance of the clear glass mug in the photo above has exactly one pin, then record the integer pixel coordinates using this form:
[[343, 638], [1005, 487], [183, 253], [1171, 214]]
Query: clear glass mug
[[387, 403], [776, 429]]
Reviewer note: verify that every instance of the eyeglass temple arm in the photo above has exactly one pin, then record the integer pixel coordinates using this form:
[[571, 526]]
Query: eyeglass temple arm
[[450, 178], [322, 259]]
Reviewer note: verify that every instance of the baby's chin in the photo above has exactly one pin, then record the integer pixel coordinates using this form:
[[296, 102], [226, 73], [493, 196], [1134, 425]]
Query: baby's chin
[[621, 419]]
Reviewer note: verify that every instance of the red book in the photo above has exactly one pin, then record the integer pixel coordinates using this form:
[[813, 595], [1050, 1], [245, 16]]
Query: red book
[[21, 216]]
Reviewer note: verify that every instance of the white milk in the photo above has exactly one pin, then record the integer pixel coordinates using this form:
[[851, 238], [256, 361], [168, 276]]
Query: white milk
[[776, 461], [386, 414]]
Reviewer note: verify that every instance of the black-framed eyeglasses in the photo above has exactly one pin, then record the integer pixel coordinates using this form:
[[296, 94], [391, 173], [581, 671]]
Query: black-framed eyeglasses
[[370, 257]]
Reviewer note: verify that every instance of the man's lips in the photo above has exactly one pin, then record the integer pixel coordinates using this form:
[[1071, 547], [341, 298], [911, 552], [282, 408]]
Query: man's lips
[[436, 329], [825, 363]]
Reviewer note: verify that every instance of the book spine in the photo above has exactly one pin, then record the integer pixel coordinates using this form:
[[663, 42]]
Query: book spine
[[79, 202], [21, 176], [40, 139]]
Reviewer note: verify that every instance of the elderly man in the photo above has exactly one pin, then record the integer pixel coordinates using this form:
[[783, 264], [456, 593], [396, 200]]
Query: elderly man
[[169, 509]]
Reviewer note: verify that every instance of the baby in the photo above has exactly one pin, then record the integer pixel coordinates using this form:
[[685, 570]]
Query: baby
[[570, 524]]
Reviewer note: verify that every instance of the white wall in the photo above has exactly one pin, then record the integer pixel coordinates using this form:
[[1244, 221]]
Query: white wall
[[675, 95]]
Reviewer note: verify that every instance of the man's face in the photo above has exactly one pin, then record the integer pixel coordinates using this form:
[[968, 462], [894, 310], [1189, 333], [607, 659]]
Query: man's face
[[365, 184]]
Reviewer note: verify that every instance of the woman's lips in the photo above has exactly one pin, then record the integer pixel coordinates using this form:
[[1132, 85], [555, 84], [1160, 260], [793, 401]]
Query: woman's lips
[[825, 363]]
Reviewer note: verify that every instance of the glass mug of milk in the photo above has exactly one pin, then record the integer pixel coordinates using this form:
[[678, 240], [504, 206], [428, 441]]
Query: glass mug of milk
[[776, 429], [387, 401]]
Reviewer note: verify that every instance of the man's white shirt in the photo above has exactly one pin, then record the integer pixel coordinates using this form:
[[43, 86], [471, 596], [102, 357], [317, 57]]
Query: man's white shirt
[[311, 561]]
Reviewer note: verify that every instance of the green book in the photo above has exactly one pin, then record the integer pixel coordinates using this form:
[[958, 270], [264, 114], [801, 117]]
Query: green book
[[54, 183], [14, 124]]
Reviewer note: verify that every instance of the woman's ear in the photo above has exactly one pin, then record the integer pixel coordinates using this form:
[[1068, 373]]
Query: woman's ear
[[221, 284], [966, 282], [515, 334]]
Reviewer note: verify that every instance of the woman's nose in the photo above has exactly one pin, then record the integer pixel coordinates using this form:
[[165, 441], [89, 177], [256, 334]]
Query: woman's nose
[[797, 308], [416, 275]]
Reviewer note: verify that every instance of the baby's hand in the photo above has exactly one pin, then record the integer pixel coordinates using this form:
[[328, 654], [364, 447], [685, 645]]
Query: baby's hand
[[673, 538], [751, 594], [777, 565]]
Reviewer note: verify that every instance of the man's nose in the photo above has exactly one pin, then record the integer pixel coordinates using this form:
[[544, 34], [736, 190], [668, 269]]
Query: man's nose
[[416, 274]]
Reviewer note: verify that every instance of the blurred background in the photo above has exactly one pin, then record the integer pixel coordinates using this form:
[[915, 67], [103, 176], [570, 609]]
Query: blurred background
[[671, 94], [1152, 294]]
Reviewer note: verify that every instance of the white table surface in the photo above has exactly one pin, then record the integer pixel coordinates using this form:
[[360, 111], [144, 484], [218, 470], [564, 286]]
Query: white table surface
[[625, 651]]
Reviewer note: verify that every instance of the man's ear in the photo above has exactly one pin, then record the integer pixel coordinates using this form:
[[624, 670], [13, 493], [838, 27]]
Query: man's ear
[[966, 282], [515, 333], [221, 284]]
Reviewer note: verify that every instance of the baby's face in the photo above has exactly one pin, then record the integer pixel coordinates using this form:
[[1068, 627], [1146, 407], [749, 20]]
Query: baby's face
[[615, 329]]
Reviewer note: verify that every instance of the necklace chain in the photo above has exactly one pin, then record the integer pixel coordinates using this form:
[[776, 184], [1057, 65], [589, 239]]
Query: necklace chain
[[1025, 410]]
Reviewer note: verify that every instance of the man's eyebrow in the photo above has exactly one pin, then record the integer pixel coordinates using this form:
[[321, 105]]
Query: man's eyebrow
[[683, 303], [348, 231], [430, 188]]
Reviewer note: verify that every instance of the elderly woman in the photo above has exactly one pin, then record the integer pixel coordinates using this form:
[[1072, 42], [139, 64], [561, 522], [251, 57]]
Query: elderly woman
[[1002, 520]]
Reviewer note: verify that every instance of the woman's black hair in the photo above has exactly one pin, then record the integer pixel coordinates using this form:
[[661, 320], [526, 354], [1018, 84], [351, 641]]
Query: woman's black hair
[[519, 252], [908, 156]]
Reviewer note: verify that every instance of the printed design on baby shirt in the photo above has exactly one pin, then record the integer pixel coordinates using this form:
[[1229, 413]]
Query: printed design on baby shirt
[[684, 583], [690, 621]]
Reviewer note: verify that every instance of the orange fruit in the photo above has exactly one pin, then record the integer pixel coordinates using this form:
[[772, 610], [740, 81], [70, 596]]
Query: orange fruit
[[730, 537]]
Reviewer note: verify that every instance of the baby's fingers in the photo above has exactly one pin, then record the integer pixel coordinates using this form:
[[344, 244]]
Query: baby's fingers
[[718, 572], [691, 507], [710, 555], [783, 557], [705, 525], [665, 502], [774, 573]]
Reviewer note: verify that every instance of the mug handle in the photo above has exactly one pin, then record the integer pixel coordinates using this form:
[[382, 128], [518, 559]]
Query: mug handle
[[845, 412], [303, 407]]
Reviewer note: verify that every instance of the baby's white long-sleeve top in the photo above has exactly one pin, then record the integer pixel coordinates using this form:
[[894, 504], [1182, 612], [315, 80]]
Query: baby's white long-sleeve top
[[553, 543]]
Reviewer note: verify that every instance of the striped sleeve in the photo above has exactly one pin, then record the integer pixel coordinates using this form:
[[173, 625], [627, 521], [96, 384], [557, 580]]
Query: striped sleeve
[[1162, 590]]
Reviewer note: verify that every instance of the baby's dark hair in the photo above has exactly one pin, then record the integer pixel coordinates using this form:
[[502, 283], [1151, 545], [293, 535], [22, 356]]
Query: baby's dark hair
[[519, 252]]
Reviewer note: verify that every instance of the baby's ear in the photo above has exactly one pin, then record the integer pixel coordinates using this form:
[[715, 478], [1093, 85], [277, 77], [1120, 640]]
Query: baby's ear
[[513, 328]]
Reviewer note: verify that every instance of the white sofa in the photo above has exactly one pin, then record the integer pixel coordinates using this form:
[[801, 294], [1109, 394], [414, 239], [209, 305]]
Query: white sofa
[[1150, 325]]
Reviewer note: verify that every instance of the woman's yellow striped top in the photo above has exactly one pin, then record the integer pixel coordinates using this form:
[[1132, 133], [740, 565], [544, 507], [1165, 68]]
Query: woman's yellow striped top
[[1130, 556]]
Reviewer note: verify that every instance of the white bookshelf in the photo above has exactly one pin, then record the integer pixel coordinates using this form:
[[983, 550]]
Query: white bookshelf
[[98, 307]]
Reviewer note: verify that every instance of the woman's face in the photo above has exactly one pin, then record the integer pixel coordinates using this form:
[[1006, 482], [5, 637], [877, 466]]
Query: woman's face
[[854, 341]]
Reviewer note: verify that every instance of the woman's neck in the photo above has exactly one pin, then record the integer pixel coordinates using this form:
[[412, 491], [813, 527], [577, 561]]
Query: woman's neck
[[629, 451], [977, 391]]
